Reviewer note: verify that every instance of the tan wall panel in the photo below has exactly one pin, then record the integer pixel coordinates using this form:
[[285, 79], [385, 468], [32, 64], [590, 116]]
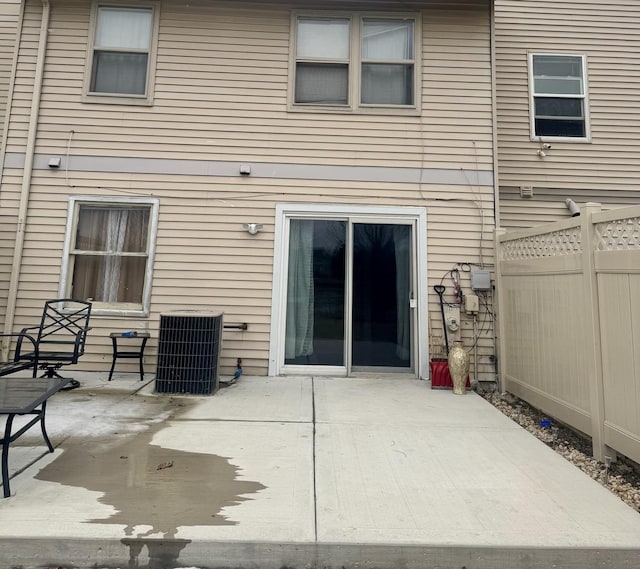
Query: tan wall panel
[[205, 260], [233, 42], [551, 331], [543, 336], [221, 94], [9, 16], [619, 295], [607, 167], [24, 78]]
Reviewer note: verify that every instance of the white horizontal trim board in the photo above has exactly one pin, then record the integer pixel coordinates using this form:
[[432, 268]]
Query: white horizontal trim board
[[446, 176]]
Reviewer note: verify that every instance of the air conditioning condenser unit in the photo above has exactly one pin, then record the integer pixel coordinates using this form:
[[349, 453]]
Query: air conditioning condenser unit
[[189, 346]]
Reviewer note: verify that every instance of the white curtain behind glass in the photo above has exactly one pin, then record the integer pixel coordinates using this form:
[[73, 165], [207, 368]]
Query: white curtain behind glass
[[384, 82], [123, 28], [121, 51], [322, 54], [114, 243], [323, 39], [322, 84], [300, 291], [100, 271], [386, 40], [116, 72]]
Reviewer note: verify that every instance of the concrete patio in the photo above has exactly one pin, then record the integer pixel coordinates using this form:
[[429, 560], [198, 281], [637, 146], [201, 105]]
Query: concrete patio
[[301, 472]]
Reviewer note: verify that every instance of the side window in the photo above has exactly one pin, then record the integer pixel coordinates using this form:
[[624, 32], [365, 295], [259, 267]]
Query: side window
[[387, 62], [355, 62], [558, 96], [322, 61], [109, 254], [122, 53]]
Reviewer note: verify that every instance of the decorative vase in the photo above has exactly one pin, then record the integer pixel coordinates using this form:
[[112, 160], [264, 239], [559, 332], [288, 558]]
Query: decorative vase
[[459, 368]]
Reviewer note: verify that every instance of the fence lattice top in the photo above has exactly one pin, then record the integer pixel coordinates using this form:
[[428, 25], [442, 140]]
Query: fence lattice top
[[618, 235], [553, 244]]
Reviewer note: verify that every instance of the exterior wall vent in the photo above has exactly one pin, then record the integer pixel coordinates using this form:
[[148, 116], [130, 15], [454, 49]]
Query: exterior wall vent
[[189, 352], [526, 191]]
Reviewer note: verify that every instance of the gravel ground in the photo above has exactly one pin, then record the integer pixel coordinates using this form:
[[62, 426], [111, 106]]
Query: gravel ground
[[621, 477]]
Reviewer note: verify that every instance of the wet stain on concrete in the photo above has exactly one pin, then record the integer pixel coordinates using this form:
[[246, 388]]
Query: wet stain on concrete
[[163, 553], [152, 488]]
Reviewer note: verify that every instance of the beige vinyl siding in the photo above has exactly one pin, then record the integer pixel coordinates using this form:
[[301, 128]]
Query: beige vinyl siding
[[204, 259], [9, 24], [548, 204], [18, 122], [27, 45], [604, 170], [9, 15], [221, 94]]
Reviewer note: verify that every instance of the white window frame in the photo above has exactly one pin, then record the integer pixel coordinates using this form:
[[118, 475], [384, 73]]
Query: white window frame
[[115, 309], [145, 99], [355, 61], [584, 97]]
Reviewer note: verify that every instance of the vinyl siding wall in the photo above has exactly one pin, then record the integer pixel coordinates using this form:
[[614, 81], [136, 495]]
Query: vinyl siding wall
[[604, 170], [9, 16], [221, 98], [9, 23]]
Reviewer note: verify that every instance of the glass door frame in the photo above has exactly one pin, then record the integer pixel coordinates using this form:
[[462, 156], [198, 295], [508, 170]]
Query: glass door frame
[[350, 292], [415, 216]]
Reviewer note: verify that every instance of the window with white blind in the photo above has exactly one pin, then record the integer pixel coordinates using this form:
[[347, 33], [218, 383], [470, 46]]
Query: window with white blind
[[355, 62], [558, 96], [109, 253], [121, 59]]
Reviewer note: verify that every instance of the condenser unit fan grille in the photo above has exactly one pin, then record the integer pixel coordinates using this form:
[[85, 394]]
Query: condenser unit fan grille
[[189, 352]]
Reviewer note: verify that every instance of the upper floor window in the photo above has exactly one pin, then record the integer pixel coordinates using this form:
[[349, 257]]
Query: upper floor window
[[355, 62], [558, 96], [109, 253], [122, 52]]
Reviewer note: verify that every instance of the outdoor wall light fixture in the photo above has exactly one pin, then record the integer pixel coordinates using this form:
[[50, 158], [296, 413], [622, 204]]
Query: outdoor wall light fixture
[[544, 149], [252, 228], [574, 210]]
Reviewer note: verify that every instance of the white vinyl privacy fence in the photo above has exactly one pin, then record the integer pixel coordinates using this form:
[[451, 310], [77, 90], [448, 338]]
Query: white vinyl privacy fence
[[569, 323]]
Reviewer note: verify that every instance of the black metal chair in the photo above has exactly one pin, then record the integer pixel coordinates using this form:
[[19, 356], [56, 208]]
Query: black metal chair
[[59, 340], [14, 365]]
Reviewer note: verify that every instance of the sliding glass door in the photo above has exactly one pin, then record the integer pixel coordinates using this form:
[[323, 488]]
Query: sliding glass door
[[382, 285], [315, 307], [349, 294]]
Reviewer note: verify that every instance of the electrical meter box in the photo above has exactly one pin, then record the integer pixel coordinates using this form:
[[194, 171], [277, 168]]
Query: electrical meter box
[[480, 279]]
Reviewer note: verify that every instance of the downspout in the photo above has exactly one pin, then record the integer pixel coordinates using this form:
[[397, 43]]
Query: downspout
[[496, 190], [18, 249], [494, 116]]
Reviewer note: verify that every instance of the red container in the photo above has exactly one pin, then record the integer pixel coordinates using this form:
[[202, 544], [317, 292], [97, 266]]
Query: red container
[[440, 376]]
